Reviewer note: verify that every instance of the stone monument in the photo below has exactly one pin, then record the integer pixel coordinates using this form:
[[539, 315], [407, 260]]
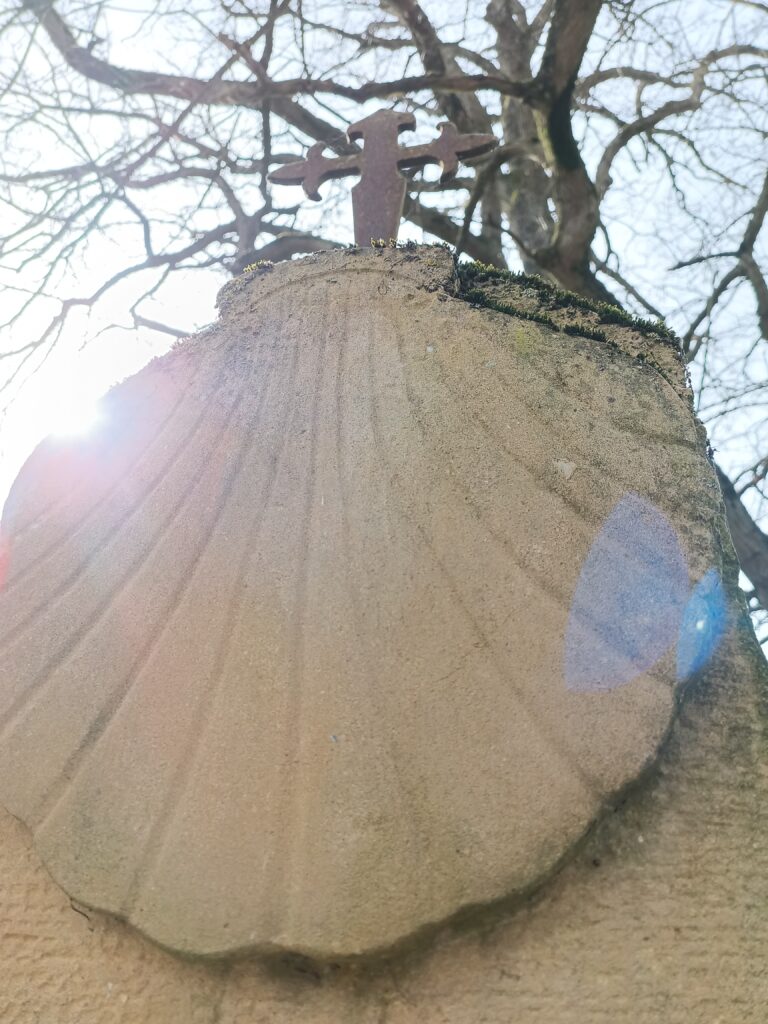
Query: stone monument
[[380, 658], [294, 647]]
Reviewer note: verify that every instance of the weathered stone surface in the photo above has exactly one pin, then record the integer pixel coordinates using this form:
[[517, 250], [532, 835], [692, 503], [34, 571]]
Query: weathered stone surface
[[283, 645], [661, 916]]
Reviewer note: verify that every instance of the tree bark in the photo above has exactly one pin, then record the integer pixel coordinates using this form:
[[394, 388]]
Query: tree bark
[[750, 542]]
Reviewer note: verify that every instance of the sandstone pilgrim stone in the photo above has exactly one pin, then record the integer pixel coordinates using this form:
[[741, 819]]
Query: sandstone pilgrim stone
[[284, 644]]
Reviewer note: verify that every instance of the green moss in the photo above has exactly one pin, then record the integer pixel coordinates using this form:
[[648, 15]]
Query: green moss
[[259, 265], [478, 298], [585, 332], [392, 243], [473, 274]]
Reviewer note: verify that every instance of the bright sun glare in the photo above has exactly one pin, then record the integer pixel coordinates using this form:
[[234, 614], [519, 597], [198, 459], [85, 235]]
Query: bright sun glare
[[72, 417], [66, 407], [61, 405]]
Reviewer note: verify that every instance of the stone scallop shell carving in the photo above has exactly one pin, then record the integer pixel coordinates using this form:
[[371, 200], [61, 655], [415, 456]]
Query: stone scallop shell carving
[[281, 643]]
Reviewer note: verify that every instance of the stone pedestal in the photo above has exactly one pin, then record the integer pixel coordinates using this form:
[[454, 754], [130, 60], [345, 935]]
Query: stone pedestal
[[387, 636]]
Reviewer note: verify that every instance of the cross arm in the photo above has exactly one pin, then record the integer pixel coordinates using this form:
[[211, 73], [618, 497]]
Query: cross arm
[[447, 150], [311, 172]]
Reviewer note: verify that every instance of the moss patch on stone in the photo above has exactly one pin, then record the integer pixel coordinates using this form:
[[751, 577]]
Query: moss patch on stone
[[481, 284], [237, 284], [531, 298]]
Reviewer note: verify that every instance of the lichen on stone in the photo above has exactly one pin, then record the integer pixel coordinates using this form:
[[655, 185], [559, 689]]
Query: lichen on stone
[[531, 298], [475, 275]]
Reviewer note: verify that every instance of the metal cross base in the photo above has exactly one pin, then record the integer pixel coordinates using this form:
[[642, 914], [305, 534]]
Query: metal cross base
[[377, 199]]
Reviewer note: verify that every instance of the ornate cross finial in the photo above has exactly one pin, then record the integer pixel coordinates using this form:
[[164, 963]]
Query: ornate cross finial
[[377, 199]]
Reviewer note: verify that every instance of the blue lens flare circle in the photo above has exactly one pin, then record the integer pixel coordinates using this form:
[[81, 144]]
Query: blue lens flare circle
[[633, 602]]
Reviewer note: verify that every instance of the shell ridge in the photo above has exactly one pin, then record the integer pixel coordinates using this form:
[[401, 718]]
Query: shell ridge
[[65, 586], [182, 775], [550, 590], [107, 494], [99, 729], [406, 796], [10, 719], [539, 477], [559, 596], [558, 745], [417, 809], [291, 807]]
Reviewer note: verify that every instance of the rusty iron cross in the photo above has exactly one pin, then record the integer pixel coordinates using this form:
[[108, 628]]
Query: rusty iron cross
[[377, 199]]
